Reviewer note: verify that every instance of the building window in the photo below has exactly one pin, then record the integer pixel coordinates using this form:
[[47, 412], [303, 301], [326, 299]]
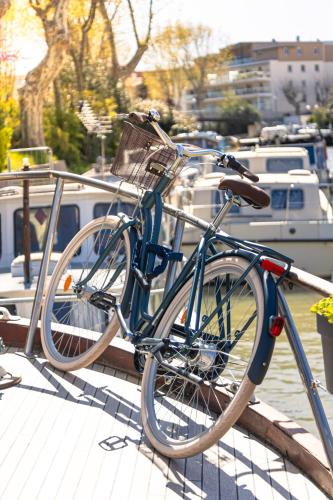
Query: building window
[[286, 51], [299, 51], [68, 226], [316, 51], [303, 68], [293, 197], [316, 67], [290, 68]]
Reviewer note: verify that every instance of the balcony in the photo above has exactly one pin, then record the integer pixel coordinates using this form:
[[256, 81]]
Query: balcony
[[250, 76], [253, 91], [246, 61]]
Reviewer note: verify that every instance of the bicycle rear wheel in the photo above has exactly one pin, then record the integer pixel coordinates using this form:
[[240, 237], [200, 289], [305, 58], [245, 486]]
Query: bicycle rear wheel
[[74, 332], [181, 418]]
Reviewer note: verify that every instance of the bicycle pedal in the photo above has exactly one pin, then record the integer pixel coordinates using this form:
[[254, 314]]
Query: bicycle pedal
[[102, 300]]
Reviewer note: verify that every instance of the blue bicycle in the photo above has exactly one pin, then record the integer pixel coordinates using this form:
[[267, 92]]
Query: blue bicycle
[[209, 341]]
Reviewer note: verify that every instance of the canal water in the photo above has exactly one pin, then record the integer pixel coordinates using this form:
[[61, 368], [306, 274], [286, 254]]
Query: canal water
[[282, 387]]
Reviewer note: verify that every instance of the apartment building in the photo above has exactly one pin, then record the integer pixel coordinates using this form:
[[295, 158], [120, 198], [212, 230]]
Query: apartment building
[[264, 73]]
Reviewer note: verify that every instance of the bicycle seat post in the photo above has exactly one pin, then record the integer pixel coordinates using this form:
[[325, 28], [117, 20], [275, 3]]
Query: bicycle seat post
[[230, 200]]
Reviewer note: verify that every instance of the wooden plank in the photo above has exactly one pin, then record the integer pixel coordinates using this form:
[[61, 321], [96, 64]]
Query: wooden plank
[[68, 462], [124, 437], [46, 437], [244, 476], [55, 446], [260, 470], [227, 466], [16, 441], [210, 473], [59, 413], [297, 487]]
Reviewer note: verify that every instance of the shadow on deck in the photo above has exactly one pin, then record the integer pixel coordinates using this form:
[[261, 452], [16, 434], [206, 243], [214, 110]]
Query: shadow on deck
[[78, 435]]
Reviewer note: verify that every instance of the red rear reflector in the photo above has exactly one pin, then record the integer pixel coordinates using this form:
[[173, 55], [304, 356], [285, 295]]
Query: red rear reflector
[[276, 324], [270, 266]]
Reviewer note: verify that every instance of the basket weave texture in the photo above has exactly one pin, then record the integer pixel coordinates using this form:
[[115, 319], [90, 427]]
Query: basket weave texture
[[142, 158]]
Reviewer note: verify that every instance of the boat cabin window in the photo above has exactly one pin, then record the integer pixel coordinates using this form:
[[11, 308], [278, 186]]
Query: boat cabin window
[[102, 209], [293, 199], [218, 199], [280, 165], [68, 226]]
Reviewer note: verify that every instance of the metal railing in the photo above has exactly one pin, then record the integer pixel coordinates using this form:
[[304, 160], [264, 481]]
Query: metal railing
[[297, 276]]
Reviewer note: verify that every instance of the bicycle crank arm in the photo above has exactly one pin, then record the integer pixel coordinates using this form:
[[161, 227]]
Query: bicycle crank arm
[[181, 372], [124, 328]]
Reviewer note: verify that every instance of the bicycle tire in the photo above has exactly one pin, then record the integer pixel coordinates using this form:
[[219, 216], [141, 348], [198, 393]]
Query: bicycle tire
[[196, 437], [76, 344]]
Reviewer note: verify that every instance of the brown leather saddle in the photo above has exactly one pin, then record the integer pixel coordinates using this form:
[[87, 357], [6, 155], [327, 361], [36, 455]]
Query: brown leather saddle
[[250, 193]]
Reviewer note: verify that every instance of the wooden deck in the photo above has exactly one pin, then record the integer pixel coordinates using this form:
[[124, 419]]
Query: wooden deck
[[79, 436]]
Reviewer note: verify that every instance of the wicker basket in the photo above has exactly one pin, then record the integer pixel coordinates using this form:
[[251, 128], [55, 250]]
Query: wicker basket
[[142, 158]]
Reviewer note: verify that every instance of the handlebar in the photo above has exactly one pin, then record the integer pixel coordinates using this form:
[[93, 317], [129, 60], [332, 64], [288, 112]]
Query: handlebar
[[223, 160], [229, 161]]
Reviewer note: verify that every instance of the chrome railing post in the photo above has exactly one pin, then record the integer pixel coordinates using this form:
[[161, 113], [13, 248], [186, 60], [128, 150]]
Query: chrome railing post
[[52, 224]]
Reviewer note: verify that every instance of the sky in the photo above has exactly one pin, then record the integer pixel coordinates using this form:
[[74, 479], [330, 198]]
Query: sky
[[232, 21], [247, 20]]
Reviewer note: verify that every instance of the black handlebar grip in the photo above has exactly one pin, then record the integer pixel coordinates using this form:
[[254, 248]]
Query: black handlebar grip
[[230, 161]]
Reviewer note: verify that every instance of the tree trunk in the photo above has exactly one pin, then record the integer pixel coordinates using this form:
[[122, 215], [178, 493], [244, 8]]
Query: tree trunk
[[38, 80], [4, 6], [32, 133]]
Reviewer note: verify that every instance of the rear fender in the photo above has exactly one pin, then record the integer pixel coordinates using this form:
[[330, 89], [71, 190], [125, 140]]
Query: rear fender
[[260, 363]]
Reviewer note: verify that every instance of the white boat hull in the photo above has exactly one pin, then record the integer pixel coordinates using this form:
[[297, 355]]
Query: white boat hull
[[311, 245]]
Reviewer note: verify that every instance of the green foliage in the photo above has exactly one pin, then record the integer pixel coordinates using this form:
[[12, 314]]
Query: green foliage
[[34, 158], [236, 115], [8, 121], [64, 134], [323, 116], [324, 308], [183, 122]]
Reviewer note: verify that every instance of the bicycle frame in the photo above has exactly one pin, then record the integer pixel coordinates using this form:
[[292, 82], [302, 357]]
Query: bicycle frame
[[145, 248]]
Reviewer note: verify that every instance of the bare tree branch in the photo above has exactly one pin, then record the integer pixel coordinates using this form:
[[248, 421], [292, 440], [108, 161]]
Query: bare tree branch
[[130, 7], [111, 37], [90, 19], [120, 72]]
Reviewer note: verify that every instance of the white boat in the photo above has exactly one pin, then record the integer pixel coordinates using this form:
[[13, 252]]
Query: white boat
[[299, 221], [80, 204]]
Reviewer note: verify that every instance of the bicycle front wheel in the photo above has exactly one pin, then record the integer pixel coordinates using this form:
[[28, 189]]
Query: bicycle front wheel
[[182, 418], [74, 331]]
